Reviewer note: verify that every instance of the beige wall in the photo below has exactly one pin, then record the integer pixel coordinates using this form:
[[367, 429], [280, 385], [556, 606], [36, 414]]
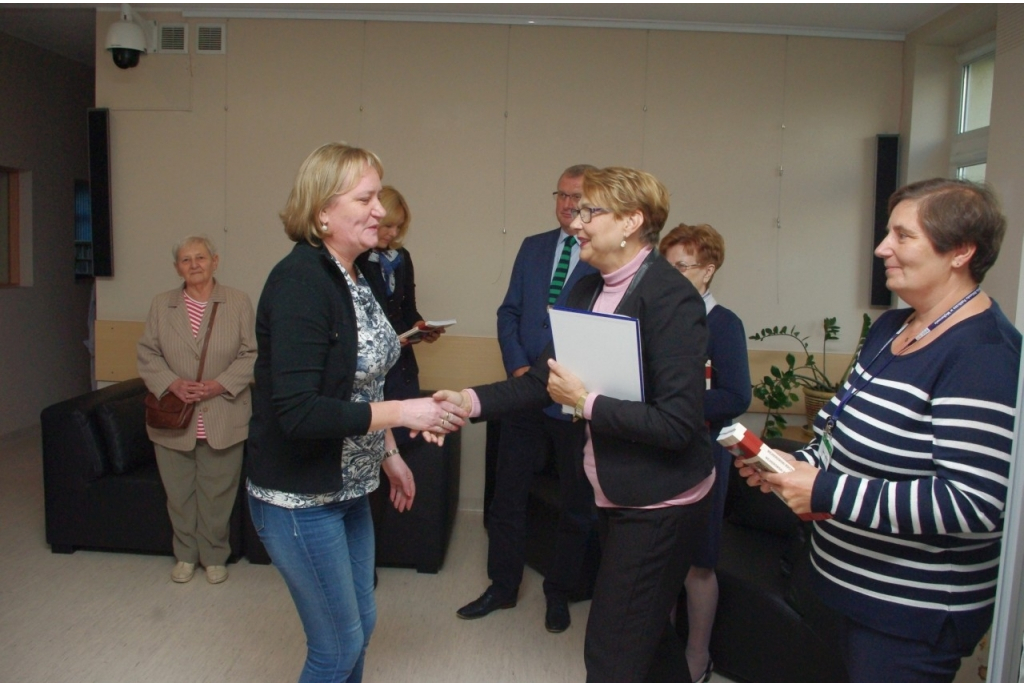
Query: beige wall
[[43, 103], [475, 122]]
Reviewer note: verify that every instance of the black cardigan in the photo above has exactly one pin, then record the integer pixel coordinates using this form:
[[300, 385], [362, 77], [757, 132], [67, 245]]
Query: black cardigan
[[646, 452], [307, 341]]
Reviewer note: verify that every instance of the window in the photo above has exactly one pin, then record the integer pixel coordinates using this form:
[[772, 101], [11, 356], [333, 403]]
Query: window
[[970, 144], [83, 230], [10, 241], [976, 93]]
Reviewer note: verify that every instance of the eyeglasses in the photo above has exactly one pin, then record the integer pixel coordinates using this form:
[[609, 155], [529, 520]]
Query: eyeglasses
[[683, 266], [587, 213], [562, 197]]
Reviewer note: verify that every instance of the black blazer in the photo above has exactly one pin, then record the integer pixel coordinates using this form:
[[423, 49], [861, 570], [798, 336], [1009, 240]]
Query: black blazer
[[646, 452], [307, 341], [403, 380]]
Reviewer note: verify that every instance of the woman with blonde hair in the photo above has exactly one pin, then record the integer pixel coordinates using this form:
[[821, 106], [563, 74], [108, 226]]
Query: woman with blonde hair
[[388, 269], [321, 428]]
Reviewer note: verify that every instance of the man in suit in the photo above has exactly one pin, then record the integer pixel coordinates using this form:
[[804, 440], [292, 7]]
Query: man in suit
[[545, 270]]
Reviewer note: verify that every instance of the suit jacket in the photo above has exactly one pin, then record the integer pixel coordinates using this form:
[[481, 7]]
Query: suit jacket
[[168, 351], [524, 329], [646, 452], [403, 380], [308, 347]]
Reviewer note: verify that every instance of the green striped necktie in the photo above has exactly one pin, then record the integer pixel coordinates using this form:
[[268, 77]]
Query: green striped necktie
[[561, 271]]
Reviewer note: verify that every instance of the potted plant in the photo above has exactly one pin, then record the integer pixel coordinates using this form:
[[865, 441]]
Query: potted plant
[[777, 391]]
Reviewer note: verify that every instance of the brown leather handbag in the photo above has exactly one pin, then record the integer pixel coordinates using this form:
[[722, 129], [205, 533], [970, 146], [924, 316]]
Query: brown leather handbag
[[169, 412]]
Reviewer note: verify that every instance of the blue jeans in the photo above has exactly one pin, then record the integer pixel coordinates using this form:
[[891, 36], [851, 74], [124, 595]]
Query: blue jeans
[[326, 555]]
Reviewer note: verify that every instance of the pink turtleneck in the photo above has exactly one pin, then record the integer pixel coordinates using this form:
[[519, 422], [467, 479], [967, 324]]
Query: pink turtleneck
[[615, 285]]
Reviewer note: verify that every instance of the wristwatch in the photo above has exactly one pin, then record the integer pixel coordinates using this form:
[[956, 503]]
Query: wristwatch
[[577, 412]]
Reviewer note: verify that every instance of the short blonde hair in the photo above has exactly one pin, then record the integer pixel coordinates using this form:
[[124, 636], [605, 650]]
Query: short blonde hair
[[623, 191], [193, 239], [394, 204], [329, 170]]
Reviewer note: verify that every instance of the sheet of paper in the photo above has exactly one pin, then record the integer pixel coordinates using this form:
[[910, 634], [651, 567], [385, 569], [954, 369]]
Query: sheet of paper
[[602, 349]]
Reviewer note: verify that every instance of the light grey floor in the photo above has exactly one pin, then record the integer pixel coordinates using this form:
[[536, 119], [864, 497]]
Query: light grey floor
[[95, 616]]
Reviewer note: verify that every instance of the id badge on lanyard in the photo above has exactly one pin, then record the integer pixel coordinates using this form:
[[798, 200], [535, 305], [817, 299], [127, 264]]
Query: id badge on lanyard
[[825, 449]]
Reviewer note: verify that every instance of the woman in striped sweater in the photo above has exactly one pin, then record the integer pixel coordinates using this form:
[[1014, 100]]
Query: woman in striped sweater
[[911, 458]]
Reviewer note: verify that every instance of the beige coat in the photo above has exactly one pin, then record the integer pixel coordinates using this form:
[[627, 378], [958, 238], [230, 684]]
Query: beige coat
[[167, 351]]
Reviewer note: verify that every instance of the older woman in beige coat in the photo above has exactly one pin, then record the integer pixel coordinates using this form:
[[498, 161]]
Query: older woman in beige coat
[[200, 465]]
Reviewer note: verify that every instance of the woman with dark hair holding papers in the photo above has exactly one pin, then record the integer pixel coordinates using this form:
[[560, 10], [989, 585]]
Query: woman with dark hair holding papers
[[912, 456], [649, 461]]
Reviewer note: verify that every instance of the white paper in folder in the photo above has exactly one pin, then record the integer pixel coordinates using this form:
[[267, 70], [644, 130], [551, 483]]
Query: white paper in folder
[[602, 349]]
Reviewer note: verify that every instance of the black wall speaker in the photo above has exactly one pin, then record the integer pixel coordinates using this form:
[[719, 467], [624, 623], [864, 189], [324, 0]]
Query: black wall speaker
[[99, 192], [887, 161]]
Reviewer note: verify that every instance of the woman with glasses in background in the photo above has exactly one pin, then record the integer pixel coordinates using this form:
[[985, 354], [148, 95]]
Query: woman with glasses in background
[[698, 252]]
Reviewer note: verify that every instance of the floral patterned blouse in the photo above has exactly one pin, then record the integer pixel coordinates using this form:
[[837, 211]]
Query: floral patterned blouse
[[361, 455]]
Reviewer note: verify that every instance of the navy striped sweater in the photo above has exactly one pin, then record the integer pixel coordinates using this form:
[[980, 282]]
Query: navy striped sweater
[[917, 479]]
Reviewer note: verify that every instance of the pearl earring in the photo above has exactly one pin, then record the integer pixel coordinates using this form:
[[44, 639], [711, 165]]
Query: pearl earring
[[323, 229], [623, 243]]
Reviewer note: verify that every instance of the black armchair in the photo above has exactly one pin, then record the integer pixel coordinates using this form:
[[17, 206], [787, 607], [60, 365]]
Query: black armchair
[[100, 478], [769, 626]]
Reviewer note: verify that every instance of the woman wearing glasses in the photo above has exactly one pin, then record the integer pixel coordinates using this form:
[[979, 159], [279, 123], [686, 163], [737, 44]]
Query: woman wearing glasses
[[698, 252], [648, 461]]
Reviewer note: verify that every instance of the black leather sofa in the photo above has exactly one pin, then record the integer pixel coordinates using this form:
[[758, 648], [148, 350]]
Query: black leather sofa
[[102, 489], [769, 625]]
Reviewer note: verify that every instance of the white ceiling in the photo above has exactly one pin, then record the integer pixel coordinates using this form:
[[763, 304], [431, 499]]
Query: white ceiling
[[69, 29]]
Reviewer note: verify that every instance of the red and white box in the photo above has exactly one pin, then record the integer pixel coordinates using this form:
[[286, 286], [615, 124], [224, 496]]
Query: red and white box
[[749, 448]]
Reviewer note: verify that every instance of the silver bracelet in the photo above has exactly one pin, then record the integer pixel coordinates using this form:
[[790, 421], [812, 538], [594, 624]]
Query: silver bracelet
[[391, 452]]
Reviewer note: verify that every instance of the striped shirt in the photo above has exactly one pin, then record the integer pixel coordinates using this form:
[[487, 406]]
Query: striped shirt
[[195, 310], [917, 478]]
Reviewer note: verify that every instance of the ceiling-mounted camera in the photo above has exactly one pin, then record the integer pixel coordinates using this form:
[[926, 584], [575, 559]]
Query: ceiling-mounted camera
[[130, 37]]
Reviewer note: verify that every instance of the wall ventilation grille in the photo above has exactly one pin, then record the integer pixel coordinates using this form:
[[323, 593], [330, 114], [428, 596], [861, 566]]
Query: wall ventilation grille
[[174, 38], [211, 39]]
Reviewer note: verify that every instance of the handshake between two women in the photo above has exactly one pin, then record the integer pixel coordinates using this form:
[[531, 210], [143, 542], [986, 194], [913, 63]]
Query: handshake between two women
[[433, 417]]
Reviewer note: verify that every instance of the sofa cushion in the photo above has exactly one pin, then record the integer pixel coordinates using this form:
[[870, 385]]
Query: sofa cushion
[[123, 426]]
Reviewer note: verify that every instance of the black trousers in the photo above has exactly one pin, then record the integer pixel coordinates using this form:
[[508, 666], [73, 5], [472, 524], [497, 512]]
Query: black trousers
[[645, 555], [527, 439]]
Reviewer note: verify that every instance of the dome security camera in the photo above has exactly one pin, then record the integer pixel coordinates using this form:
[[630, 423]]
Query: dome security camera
[[127, 38]]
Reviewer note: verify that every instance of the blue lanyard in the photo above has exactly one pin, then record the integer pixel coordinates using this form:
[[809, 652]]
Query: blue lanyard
[[844, 400]]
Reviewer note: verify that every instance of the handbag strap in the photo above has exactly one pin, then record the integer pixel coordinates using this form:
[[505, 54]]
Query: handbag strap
[[206, 342]]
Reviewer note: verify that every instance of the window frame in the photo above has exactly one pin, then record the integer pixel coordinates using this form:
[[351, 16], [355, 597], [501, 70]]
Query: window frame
[[13, 233], [969, 148]]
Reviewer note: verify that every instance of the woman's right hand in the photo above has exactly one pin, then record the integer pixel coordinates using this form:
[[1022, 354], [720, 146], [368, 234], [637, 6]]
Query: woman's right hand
[[460, 400], [753, 476], [186, 391], [439, 416]]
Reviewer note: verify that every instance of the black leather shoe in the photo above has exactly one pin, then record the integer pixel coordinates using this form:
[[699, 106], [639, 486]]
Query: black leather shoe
[[556, 618], [485, 604]]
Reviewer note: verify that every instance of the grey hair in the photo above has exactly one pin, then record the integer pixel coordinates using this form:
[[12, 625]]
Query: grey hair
[[577, 170], [188, 240]]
